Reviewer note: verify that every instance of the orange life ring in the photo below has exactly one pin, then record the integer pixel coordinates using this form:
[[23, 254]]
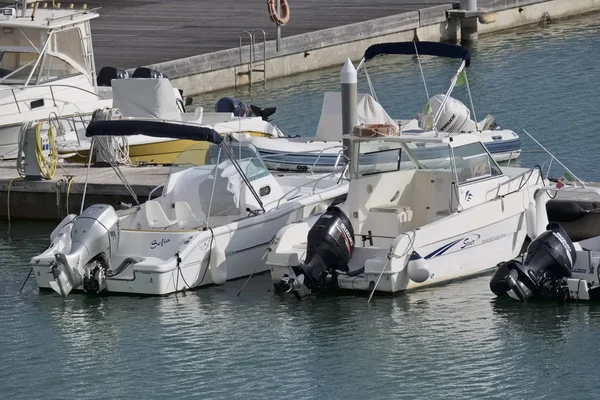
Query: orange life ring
[[373, 130], [285, 12]]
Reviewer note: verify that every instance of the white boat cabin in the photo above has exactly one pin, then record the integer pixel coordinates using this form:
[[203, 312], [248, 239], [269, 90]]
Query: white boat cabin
[[395, 188], [40, 45]]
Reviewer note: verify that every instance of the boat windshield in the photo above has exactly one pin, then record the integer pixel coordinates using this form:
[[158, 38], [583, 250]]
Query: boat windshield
[[203, 155], [15, 68], [473, 163], [379, 156]]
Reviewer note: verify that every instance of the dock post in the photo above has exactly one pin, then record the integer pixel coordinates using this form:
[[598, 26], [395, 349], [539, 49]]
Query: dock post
[[348, 80], [468, 26]]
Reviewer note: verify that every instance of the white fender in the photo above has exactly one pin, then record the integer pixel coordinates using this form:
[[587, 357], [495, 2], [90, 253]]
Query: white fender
[[417, 269], [530, 221], [218, 265]]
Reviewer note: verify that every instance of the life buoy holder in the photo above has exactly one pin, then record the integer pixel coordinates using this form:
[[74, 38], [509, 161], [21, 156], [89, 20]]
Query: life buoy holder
[[373, 130], [285, 12]]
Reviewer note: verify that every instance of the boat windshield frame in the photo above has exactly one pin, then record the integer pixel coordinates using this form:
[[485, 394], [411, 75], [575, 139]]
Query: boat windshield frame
[[245, 152], [46, 55], [407, 158]]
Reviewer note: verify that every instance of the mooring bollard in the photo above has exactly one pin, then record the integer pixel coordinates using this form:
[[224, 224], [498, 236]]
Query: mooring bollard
[[348, 79], [468, 26]]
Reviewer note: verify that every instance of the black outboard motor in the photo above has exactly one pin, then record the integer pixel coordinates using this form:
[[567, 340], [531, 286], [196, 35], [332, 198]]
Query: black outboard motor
[[241, 109], [107, 74], [144, 72], [549, 260], [329, 248]]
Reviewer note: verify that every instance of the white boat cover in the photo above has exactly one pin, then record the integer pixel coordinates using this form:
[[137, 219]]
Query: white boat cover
[[145, 98], [368, 111]]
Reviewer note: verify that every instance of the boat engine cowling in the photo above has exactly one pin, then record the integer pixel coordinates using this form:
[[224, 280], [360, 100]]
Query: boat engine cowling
[[330, 245], [548, 261], [94, 241], [455, 116]]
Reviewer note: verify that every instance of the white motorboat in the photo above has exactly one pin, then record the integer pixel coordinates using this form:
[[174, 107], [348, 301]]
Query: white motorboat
[[443, 116], [46, 67], [219, 210], [404, 227], [155, 99], [553, 267]]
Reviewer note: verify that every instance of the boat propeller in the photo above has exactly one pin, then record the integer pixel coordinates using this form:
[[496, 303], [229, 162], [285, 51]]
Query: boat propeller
[[294, 285]]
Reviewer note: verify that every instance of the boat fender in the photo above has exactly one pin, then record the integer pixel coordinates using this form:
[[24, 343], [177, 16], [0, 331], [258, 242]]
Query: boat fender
[[564, 211], [218, 265], [285, 12], [530, 221], [417, 268]]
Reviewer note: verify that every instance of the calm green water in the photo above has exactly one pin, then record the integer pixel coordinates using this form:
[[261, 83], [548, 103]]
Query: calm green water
[[453, 341]]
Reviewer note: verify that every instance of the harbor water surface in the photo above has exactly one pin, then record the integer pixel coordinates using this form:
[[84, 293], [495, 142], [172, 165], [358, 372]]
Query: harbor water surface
[[452, 341]]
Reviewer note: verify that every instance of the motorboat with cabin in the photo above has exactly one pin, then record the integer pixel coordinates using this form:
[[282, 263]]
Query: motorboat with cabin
[[48, 72], [443, 116], [407, 224], [46, 67], [553, 268], [219, 209]]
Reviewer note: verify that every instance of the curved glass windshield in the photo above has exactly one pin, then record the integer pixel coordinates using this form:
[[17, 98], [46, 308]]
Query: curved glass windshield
[[378, 156], [207, 156]]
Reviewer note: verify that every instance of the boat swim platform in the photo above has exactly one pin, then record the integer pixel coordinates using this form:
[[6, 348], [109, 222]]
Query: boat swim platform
[[196, 43]]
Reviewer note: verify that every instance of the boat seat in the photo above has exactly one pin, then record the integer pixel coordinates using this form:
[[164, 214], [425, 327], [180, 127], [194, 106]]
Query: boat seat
[[185, 216], [156, 215], [404, 213]]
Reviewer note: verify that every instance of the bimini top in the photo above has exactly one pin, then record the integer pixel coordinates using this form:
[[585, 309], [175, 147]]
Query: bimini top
[[160, 129], [423, 48]]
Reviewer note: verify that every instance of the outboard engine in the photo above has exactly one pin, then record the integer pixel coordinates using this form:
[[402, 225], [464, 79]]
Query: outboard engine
[[241, 109], [455, 117], [329, 248], [107, 74], [94, 240], [548, 262]]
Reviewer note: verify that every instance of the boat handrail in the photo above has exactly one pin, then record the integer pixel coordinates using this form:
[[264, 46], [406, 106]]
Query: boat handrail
[[76, 13], [520, 177], [37, 96], [154, 190], [314, 183]]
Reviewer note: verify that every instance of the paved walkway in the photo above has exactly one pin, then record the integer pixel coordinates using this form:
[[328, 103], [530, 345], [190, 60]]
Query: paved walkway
[[132, 33]]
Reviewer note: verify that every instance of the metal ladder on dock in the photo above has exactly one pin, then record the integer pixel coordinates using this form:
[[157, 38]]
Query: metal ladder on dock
[[253, 64]]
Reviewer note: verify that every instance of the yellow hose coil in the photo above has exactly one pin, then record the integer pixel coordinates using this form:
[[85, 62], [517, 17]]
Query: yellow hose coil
[[47, 165]]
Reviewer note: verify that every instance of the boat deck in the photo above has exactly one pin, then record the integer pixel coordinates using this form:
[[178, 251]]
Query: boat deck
[[135, 33]]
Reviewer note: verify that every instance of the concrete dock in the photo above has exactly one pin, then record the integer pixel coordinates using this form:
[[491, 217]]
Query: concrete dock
[[55, 198], [196, 43]]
